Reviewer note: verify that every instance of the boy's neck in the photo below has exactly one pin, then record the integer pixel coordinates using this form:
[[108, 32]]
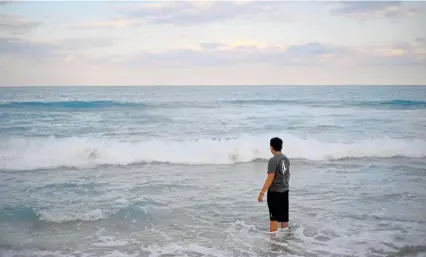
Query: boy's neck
[[276, 153]]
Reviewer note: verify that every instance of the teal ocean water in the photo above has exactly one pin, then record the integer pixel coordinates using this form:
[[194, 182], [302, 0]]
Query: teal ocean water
[[175, 171]]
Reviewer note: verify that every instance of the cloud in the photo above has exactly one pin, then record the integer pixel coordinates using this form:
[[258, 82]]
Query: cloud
[[111, 24], [33, 50], [25, 49], [310, 54], [314, 49], [78, 43], [305, 54], [400, 54], [192, 13], [397, 60], [313, 53], [238, 44], [373, 9], [16, 24], [211, 45], [97, 51]]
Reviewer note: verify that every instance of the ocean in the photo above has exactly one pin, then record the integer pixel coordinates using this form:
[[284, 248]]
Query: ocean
[[176, 171]]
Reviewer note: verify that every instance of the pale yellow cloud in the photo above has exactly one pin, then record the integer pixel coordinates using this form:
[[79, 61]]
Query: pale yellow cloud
[[415, 50], [236, 44], [119, 23], [390, 52], [243, 1], [203, 5], [246, 43]]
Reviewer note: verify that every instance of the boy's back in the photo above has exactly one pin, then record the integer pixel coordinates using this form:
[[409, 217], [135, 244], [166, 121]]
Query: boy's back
[[279, 164]]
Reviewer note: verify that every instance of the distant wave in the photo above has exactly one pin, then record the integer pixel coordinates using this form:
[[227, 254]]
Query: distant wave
[[397, 103], [394, 104], [78, 152], [271, 102], [69, 104]]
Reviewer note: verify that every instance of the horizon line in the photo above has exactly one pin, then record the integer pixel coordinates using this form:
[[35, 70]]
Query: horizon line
[[219, 85]]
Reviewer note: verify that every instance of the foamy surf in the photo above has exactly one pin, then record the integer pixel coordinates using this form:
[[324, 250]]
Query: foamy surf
[[80, 152], [64, 216]]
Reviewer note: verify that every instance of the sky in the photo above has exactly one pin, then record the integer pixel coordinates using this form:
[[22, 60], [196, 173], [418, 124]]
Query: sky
[[240, 42]]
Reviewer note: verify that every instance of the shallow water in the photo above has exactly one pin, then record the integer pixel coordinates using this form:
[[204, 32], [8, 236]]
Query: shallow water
[[183, 181]]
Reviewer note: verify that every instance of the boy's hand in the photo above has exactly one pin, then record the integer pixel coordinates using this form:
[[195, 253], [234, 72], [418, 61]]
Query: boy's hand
[[260, 197]]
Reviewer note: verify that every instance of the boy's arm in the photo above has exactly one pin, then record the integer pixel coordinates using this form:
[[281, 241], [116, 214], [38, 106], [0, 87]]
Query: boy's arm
[[267, 183], [271, 175]]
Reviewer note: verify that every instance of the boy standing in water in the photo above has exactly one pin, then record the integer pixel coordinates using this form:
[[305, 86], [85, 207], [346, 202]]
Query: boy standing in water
[[277, 184]]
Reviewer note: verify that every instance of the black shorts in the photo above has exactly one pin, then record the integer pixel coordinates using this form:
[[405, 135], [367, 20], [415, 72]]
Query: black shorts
[[278, 206]]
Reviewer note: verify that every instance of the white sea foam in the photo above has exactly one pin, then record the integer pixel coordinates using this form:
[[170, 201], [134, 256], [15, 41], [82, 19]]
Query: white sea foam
[[110, 241], [42, 253], [37, 153], [117, 253], [73, 215]]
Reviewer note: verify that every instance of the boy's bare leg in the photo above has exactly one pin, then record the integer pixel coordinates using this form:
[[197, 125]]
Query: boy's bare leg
[[273, 226], [284, 224]]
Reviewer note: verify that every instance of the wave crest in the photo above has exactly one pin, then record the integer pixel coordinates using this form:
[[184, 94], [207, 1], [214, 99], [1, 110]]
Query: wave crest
[[42, 153]]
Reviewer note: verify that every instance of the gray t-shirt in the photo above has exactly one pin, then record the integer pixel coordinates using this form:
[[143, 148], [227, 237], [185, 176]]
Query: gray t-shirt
[[279, 164]]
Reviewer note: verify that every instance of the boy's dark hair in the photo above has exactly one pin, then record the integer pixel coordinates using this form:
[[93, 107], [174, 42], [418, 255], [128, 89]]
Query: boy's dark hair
[[276, 143]]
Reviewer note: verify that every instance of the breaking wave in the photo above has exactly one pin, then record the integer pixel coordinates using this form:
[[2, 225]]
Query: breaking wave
[[70, 216], [79, 152]]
